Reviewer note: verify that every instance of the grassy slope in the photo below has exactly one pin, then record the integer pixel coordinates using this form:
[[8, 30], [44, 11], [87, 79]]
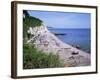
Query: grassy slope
[[38, 59]]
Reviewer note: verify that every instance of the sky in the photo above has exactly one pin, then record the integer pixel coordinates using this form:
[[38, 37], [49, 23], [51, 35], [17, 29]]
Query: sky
[[63, 19]]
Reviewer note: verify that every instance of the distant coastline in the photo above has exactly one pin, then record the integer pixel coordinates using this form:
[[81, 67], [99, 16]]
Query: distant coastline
[[48, 27]]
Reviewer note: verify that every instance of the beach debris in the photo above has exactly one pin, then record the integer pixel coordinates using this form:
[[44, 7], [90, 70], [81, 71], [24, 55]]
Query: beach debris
[[78, 46], [75, 53], [59, 33]]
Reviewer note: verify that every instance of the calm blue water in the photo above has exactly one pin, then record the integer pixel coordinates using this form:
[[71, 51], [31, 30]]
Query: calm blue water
[[75, 37]]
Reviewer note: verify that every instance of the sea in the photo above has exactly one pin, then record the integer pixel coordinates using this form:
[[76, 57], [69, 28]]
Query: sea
[[74, 37]]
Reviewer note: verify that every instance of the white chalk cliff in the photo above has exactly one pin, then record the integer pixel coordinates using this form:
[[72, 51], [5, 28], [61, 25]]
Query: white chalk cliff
[[46, 41]]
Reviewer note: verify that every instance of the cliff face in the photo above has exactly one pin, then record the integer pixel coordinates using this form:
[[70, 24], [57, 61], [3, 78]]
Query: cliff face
[[44, 40]]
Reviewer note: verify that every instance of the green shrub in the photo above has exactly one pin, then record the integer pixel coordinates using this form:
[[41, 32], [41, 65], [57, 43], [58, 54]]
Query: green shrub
[[29, 21], [33, 58], [32, 21]]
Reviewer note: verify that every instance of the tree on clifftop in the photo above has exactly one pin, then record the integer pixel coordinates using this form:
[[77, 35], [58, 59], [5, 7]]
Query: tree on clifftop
[[25, 13]]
